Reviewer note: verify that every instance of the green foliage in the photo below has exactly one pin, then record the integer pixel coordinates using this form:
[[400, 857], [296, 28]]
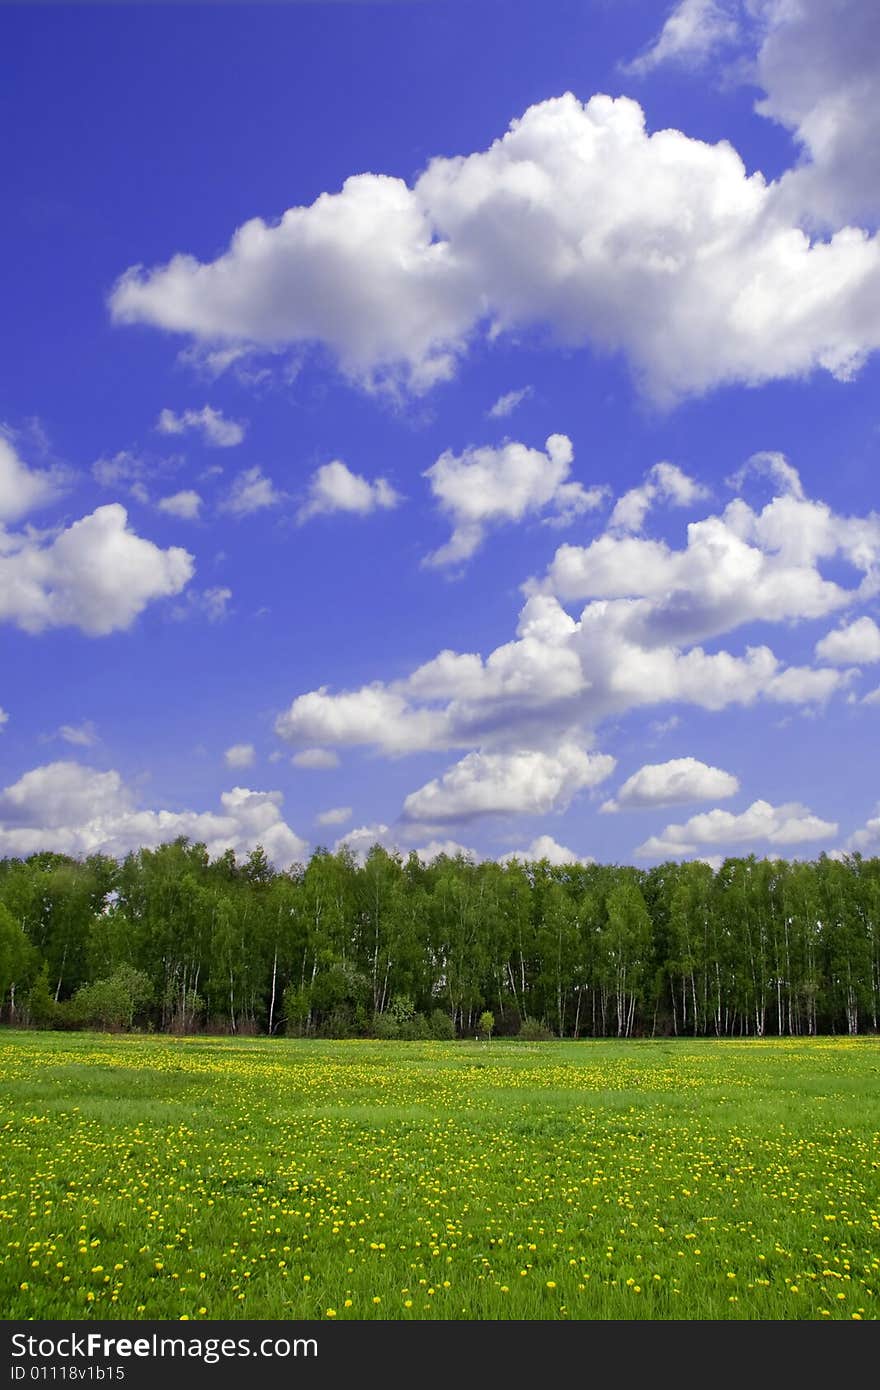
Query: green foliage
[[334, 946], [441, 1026], [534, 1030], [487, 1022], [114, 1002], [40, 1005]]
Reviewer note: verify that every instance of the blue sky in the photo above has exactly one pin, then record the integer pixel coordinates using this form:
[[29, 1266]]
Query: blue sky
[[507, 482]]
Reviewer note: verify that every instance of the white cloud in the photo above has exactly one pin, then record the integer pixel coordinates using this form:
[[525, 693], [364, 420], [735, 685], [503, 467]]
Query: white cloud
[[240, 755], [361, 840], [319, 759], [184, 504], [526, 782], [373, 714], [97, 575], [251, 492], [487, 487], [739, 567], [4, 719], [214, 428], [212, 604], [693, 31], [656, 246], [23, 489], [790, 824], [545, 847], [665, 482], [773, 465], [334, 488], [856, 643], [337, 815], [867, 839], [672, 784], [450, 848], [507, 404], [635, 644], [75, 810], [83, 735], [819, 66]]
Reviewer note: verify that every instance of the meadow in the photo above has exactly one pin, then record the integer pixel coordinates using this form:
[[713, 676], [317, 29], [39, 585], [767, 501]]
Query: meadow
[[152, 1177]]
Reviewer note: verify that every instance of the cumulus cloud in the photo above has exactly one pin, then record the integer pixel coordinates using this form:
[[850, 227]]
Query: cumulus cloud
[[97, 575], [818, 65], [786, 825], [240, 755], [251, 492], [693, 31], [486, 487], [527, 782], [742, 566], [655, 246], [522, 715], [867, 839], [23, 489], [450, 848], [337, 815], [4, 719], [771, 464], [507, 404], [214, 428], [334, 488], [184, 505], [672, 783], [362, 839], [319, 759], [373, 714], [545, 847], [665, 482], [72, 809], [856, 643]]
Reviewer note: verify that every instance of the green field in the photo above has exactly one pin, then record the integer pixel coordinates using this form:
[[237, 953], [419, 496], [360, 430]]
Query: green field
[[219, 1178]]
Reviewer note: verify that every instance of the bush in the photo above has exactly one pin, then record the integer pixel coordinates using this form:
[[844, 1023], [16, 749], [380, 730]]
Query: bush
[[415, 1029], [386, 1026], [41, 1008], [113, 1002], [534, 1030], [441, 1027]]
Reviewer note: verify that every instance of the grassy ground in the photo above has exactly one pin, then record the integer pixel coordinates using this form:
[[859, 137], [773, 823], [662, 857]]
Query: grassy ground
[[214, 1178]]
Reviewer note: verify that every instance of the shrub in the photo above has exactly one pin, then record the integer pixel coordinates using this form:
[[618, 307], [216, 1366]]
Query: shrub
[[386, 1026], [441, 1027], [534, 1030]]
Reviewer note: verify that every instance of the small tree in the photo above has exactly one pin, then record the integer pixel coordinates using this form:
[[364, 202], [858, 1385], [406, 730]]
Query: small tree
[[487, 1023]]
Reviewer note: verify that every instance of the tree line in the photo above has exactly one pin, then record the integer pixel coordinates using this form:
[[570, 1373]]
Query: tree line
[[172, 941]]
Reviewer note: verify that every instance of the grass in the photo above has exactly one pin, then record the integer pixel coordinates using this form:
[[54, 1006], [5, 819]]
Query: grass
[[216, 1178]]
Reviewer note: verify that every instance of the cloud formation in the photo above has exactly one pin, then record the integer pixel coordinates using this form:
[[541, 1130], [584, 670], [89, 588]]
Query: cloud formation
[[240, 755], [761, 823], [528, 782], [672, 783], [23, 489], [213, 426], [578, 220], [251, 491], [185, 505], [97, 575], [75, 810], [486, 487], [335, 488]]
